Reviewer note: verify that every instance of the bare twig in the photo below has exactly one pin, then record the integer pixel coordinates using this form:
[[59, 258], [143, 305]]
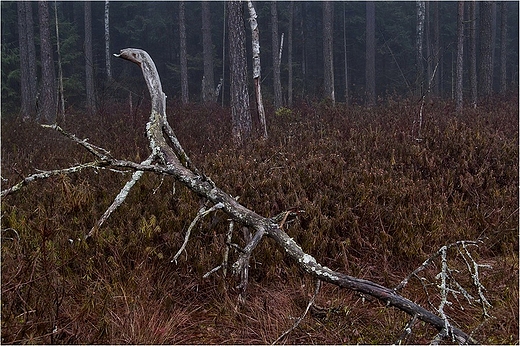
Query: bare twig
[[202, 212], [407, 330], [298, 321]]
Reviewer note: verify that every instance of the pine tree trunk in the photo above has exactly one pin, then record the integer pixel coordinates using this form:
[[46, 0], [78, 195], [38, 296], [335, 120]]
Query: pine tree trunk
[[240, 113], [31, 51], [255, 40], [436, 50], [208, 92], [89, 63], [419, 82], [277, 83], [347, 92], [503, 47], [25, 94], [290, 55], [370, 70], [328, 56], [47, 105], [107, 40], [460, 55], [473, 52], [60, 70], [486, 49], [183, 54]]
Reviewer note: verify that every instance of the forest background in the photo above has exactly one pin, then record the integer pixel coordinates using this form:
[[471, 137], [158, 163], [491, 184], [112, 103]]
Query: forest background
[[383, 187]]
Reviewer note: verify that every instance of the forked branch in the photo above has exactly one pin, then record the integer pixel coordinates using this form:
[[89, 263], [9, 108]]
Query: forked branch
[[171, 159]]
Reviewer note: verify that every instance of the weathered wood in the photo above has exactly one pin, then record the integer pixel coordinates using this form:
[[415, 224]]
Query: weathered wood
[[262, 225]]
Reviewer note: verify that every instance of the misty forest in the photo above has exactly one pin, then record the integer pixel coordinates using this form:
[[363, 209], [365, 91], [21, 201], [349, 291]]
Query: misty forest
[[242, 172]]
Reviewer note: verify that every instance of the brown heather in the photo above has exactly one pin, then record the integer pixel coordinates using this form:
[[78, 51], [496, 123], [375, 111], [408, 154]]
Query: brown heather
[[377, 203]]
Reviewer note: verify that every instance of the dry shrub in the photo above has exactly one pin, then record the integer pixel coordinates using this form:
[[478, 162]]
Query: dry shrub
[[377, 203]]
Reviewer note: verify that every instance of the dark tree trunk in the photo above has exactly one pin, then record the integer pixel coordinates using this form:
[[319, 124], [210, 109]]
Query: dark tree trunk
[[370, 70], [328, 56], [277, 83], [473, 52], [503, 46], [183, 54], [27, 107], [47, 105], [31, 51], [436, 50], [460, 55], [290, 55], [89, 62], [240, 112], [486, 48], [208, 91]]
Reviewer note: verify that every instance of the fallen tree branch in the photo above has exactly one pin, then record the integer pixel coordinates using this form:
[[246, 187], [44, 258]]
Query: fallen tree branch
[[175, 162]]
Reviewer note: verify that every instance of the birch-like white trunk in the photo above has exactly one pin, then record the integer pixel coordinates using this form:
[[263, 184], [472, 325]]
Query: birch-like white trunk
[[107, 40], [256, 66]]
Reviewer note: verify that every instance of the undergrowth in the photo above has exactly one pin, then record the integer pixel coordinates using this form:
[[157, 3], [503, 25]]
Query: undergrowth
[[377, 202]]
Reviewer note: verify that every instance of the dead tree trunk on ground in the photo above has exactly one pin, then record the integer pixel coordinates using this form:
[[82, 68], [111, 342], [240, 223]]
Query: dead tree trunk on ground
[[172, 160]]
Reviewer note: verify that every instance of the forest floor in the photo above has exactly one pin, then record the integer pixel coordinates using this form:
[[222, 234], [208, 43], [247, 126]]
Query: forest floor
[[381, 192]]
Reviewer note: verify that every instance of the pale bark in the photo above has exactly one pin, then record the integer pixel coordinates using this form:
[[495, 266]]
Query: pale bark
[[89, 63], [47, 106], [460, 55], [108, 66], [257, 67], [183, 54], [276, 48], [240, 113], [370, 70], [328, 56], [159, 134], [419, 38]]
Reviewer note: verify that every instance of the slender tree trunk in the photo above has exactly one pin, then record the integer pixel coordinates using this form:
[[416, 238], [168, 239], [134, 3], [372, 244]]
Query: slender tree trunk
[[107, 40], [473, 52], [31, 55], [304, 48], [208, 81], [328, 56], [421, 9], [290, 55], [347, 96], [26, 102], [47, 106], [277, 83], [223, 52], [89, 63], [460, 55], [257, 67], [60, 70], [436, 50], [503, 46], [370, 70], [486, 49], [183, 54], [240, 113]]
